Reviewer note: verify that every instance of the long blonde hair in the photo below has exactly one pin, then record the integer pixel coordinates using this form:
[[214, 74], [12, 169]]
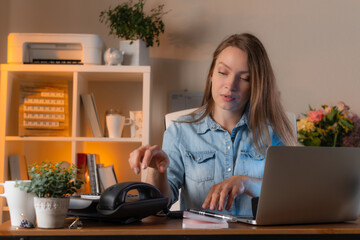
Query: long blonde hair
[[264, 105]]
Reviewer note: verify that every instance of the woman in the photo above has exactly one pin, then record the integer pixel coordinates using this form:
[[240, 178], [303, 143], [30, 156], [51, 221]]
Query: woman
[[216, 154]]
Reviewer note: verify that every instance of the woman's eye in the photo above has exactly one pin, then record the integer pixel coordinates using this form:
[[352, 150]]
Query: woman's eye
[[221, 73], [247, 79]]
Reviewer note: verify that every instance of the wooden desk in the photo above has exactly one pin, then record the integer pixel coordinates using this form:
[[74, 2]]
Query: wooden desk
[[163, 228]]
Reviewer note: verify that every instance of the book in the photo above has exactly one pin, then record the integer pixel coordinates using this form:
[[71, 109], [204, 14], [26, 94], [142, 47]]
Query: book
[[81, 164], [99, 165], [92, 114], [107, 177], [18, 167], [92, 161]]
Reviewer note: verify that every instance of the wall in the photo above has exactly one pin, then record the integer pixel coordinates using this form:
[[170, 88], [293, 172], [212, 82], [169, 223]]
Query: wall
[[313, 44]]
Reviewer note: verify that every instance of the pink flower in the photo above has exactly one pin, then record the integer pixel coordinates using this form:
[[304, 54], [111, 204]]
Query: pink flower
[[316, 116], [341, 106], [327, 110]]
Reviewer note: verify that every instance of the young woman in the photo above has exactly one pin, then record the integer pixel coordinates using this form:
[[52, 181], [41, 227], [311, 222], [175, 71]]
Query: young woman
[[216, 154]]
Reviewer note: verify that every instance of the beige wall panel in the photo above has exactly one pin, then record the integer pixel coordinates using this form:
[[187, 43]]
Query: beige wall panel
[[313, 44]]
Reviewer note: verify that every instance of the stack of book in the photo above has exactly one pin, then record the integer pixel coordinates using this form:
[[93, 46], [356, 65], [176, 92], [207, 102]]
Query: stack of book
[[96, 175]]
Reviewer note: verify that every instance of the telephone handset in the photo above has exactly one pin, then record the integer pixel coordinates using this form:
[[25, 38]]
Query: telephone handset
[[116, 204]]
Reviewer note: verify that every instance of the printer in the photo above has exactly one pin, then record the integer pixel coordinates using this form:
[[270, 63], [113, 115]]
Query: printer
[[54, 48]]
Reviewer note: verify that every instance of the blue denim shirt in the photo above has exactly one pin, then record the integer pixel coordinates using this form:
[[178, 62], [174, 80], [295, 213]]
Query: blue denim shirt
[[203, 154]]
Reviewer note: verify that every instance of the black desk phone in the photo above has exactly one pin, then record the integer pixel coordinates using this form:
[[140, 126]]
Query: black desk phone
[[116, 204]]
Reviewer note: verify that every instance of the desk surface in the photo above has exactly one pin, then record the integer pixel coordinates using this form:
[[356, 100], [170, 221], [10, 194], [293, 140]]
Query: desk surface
[[161, 226]]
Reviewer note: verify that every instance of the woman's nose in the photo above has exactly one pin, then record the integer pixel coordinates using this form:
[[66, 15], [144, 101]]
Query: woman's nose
[[232, 83]]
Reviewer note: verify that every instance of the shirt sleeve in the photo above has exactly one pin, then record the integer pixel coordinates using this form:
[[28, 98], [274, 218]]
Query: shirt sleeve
[[175, 171]]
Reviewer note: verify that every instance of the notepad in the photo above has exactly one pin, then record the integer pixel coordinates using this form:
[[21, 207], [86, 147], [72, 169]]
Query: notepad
[[196, 224]]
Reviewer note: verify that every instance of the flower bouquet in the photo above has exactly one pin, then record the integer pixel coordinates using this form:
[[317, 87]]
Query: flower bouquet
[[334, 126]]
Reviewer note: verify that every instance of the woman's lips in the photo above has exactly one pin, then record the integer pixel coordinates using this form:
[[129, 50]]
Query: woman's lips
[[227, 98]]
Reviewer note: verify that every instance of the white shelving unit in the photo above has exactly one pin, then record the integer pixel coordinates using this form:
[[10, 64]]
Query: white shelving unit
[[122, 87]]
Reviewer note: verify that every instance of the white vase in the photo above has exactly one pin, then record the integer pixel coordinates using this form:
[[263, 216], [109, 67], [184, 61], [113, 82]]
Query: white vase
[[51, 212], [136, 53]]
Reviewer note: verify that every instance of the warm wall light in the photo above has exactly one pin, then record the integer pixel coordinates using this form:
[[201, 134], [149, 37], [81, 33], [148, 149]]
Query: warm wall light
[[87, 184], [114, 154]]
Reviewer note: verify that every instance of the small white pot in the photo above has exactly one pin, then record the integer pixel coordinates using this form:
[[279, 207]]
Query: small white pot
[[51, 212], [136, 54], [113, 56]]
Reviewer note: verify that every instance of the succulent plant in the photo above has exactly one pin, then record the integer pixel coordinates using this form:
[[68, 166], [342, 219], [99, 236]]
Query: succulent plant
[[51, 180]]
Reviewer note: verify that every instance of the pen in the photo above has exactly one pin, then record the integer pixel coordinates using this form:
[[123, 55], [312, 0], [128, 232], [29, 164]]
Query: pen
[[214, 215]]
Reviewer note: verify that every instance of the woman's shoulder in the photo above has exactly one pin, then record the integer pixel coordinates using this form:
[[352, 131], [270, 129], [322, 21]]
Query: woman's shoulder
[[189, 122], [192, 117]]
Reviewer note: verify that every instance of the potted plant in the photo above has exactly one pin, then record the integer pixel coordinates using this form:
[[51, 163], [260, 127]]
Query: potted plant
[[52, 185], [128, 21]]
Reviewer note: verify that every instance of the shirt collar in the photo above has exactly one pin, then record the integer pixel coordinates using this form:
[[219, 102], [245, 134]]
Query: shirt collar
[[208, 124]]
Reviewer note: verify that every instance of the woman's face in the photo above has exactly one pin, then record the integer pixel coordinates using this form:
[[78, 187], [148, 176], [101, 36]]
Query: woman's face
[[230, 81]]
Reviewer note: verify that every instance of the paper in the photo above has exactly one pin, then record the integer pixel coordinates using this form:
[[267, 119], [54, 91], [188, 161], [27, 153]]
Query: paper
[[193, 223]]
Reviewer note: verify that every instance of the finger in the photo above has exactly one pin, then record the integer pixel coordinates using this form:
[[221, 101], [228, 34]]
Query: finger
[[162, 160], [162, 166], [222, 198], [134, 162], [206, 203], [214, 200], [148, 155], [232, 195], [135, 158]]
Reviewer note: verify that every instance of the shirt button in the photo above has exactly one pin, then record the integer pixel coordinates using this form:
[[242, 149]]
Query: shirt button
[[198, 158], [229, 147], [229, 169]]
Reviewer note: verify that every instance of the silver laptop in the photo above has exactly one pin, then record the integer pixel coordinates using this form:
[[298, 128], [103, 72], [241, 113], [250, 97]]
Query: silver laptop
[[309, 185]]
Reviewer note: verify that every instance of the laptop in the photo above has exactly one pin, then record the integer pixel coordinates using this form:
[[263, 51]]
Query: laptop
[[308, 185]]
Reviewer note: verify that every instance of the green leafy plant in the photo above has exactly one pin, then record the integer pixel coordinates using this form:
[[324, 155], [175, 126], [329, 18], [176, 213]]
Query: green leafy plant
[[51, 180], [128, 21]]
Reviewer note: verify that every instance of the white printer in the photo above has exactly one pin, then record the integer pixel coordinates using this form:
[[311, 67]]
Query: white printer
[[54, 48]]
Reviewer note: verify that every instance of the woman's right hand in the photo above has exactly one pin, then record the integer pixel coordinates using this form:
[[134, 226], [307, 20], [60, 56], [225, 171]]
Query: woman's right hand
[[148, 156]]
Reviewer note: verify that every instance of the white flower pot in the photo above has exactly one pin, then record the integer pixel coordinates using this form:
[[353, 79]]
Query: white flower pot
[[136, 53], [51, 212]]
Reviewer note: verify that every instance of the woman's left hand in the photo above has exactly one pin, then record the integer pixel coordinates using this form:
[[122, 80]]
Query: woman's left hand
[[228, 190]]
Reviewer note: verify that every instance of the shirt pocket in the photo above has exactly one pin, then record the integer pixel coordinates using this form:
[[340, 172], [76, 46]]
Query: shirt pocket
[[253, 163], [252, 155], [200, 166]]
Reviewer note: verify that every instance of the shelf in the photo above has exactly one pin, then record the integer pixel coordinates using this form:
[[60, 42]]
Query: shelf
[[69, 139], [127, 88], [74, 68], [105, 139], [39, 139]]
